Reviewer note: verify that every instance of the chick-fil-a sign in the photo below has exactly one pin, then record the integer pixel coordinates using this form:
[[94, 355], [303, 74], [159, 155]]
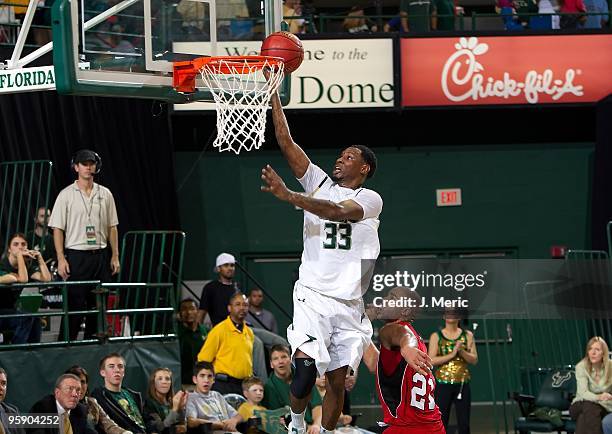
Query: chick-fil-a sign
[[506, 70]]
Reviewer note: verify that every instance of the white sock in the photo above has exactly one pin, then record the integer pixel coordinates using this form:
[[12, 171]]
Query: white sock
[[324, 431], [298, 419]]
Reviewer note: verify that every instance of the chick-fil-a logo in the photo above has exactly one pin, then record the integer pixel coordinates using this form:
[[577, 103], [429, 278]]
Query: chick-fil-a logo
[[462, 78]]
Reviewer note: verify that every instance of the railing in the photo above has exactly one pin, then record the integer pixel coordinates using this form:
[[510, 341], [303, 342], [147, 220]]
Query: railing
[[24, 187], [154, 320]]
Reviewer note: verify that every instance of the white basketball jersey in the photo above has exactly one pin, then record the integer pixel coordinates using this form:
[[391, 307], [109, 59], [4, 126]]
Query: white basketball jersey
[[333, 251]]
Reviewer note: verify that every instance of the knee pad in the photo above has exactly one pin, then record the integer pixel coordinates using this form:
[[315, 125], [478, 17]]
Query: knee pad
[[304, 378]]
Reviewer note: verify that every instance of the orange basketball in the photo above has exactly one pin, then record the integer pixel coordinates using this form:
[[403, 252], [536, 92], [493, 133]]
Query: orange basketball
[[287, 46]]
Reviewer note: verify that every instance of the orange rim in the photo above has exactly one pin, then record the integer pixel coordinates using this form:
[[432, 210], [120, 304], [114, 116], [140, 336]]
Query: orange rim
[[226, 64]]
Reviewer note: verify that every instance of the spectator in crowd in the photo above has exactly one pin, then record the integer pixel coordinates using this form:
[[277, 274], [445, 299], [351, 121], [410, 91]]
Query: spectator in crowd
[[191, 336], [217, 293], [393, 25], [549, 7], [215, 299], [193, 14], [357, 22], [65, 403], [443, 15], [253, 391], [523, 9], [507, 10], [84, 222], [206, 406], [576, 17], [452, 349], [40, 239], [259, 317], [164, 411], [607, 424], [18, 265], [229, 347], [596, 21], [276, 389], [7, 409], [96, 416], [291, 10], [415, 15], [123, 405], [593, 399]]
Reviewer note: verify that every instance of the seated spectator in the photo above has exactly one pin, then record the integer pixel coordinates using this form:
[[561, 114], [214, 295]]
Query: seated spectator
[[593, 400], [40, 239], [7, 409], [229, 347], [277, 388], [393, 25], [507, 9], [357, 22], [291, 9], [253, 391], [123, 405], [164, 412], [18, 265], [259, 317], [191, 336], [596, 21], [206, 406], [576, 17], [607, 424], [96, 416], [65, 403], [415, 15]]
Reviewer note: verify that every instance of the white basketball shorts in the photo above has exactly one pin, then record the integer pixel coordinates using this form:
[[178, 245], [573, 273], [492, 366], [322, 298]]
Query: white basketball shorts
[[332, 331]]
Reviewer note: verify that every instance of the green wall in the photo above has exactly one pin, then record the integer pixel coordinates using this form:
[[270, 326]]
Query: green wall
[[524, 198]]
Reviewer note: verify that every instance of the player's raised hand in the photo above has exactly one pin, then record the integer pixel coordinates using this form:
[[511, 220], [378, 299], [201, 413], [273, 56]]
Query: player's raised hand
[[417, 359], [274, 183]]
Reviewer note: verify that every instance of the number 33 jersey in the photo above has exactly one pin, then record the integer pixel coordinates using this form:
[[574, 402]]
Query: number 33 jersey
[[333, 251], [407, 397]]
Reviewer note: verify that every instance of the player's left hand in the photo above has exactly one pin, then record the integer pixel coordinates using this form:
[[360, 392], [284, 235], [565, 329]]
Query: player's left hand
[[417, 360], [274, 183], [115, 265]]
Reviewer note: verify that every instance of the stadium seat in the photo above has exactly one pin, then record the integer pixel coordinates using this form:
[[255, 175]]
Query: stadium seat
[[556, 392]]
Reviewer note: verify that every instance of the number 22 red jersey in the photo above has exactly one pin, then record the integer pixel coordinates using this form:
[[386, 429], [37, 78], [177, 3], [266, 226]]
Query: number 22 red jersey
[[407, 397]]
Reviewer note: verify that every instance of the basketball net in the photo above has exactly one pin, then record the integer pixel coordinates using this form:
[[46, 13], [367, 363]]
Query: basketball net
[[242, 94]]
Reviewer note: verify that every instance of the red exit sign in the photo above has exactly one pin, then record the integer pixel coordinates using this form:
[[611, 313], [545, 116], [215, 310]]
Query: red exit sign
[[448, 197]]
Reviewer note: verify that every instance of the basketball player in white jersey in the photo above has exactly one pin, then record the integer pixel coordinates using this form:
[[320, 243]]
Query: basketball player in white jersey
[[330, 329]]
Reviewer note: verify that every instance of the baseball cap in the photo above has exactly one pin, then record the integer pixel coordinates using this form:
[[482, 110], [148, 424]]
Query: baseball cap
[[225, 258], [85, 155]]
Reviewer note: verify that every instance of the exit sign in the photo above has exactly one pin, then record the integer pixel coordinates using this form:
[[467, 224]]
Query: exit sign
[[448, 197]]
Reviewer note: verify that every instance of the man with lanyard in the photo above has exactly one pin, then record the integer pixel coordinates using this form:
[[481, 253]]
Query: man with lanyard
[[84, 222]]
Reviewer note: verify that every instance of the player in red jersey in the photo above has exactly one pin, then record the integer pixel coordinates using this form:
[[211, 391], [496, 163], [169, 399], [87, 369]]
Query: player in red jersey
[[403, 369]]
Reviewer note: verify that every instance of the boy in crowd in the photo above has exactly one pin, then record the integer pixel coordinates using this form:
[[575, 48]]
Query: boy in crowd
[[205, 406], [253, 391], [124, 406]]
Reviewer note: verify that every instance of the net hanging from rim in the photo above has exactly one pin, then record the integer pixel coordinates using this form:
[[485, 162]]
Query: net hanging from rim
[[242, 94]]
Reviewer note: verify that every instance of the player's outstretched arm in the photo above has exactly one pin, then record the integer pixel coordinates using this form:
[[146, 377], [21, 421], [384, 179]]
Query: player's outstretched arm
[[395, 335], [296, 157], [346, 210], [370, 357]]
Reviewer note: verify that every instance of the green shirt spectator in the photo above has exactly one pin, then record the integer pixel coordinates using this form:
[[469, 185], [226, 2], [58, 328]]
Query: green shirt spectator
[[416, 15], [276, 395], [191, 337], [444, 11]]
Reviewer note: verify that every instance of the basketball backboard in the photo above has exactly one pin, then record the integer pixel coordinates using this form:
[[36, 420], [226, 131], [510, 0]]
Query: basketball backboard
[[126, 47]]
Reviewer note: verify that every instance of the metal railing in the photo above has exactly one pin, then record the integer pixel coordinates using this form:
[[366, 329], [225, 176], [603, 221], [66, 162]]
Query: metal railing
[[150, 314], [24, 187]]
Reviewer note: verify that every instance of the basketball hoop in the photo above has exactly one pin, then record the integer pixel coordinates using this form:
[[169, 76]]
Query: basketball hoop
[[241, 92]]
